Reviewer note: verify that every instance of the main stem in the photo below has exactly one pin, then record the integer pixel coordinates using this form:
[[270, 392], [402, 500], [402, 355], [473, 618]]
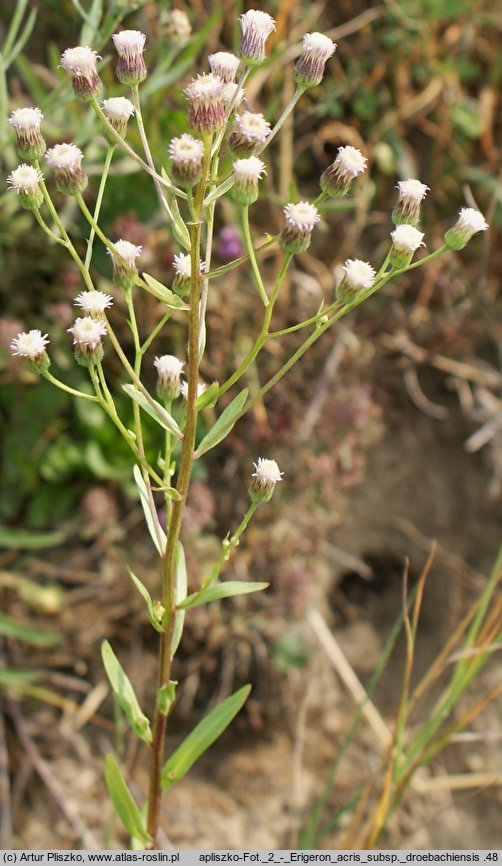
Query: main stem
[[173, 532]]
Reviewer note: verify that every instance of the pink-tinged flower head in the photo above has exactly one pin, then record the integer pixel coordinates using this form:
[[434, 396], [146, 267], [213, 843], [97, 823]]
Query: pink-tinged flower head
[[31, 346], [264, 479], [300, 220], [25, 180], [406, 240], [87, 334], [130, 44], [309, 68], [224, 65], [30, 144], [256, 28], [124, 263], [187, 156], [249, 131], [66, 161], [118, 110], [81, 64], [411, 194], [336, 180], [247, 173], [357, 276], [470, 222], [93, 303], [207, 111], [169, 370]]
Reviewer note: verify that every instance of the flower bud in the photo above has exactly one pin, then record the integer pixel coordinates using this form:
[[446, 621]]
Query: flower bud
[[207, 111], [256, 28], [169, 369], [130, 45], [405, 242], [31, 347], [264, 479], [81, 64], [407, 209], [124, 264], [117, 110], [30, 144], [469, 223], [187, 157], [224, 65], [248, 131], [300, 221], [25, 179], [176, 27], [309, 68], [182, 264], [66, 160], [247, 174], [87, 334], [358, 276], [336, 180], [94, 304]]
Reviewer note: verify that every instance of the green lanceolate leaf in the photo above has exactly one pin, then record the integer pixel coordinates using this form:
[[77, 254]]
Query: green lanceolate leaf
[[13, 678], [124, 691], [224, 424], [157, 534], [28, 634], [169, 298], [203, 735], [209, 397], [181, 594], [19, 538], [221, 590], [124, 804], [154, 409], [154, 614]]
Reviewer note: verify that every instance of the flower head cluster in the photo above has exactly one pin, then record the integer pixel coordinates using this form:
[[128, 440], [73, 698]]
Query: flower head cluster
[[264, 479], [411, 194], [247, 173], [207, 111], [309, 68], [124, 263], [406, 240], [30, 144], [66, 161], [470, 222], [256, 28], [87, 334], [169, 370], [187, 156], [336, 180], [300, 220], [249, 130], [25, 180], [130, 44], [31, 346], [118, 110], [81, 64], [224, 65], [93, 303], [357, 276]]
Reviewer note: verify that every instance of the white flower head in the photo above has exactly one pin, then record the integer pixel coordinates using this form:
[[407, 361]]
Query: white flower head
[[169, 369], [128, 252], [232, 95], [411, 194], [94, 303], [358, 274], [207, 111], [30, 345], [249, 130], [67, 157], [470, 221], [130, 44], [204, 89], [118, 108], [26, 120], [264, 479], [187, 156], [168, 365], [30, 144], [336, 180], [183, 266], [256, 27], [201, 387], [25, 178], [302, 216], [412, 189], [407, 238], [351, 160], [88, 332], [309, 68], [224, 65], [81, 63], [248, 170]]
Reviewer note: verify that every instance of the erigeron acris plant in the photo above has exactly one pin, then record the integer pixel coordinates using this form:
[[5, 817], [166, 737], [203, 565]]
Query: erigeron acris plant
[[188, 195]]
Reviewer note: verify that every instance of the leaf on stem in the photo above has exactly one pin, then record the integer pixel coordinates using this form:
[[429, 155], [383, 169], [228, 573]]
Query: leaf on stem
[[153, 613], [157, 534], [154, 409], [203, 735], [224, 424], [124, 691], [209, 397], [164, 294], [124, 804], [181, 594], [221, 590]]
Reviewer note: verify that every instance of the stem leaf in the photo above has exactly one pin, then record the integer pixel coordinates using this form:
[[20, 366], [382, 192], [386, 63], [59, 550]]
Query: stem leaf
[[164, 294], [181, 594], [221, 590], [203, 735], [124, 691], [155, 619], [157, 534], [124, 804], [154, 409], [224, 424]]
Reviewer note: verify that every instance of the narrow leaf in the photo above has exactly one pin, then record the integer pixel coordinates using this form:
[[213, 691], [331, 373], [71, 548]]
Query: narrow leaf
[[209, 397], [224, 424], [12, 678], [20, 538], [153, 614], [124, 804], [152, 520], [203, 735], [22, 631], [124, 691], [181, 594], [221, 590], [169, 298], [154, 409]]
